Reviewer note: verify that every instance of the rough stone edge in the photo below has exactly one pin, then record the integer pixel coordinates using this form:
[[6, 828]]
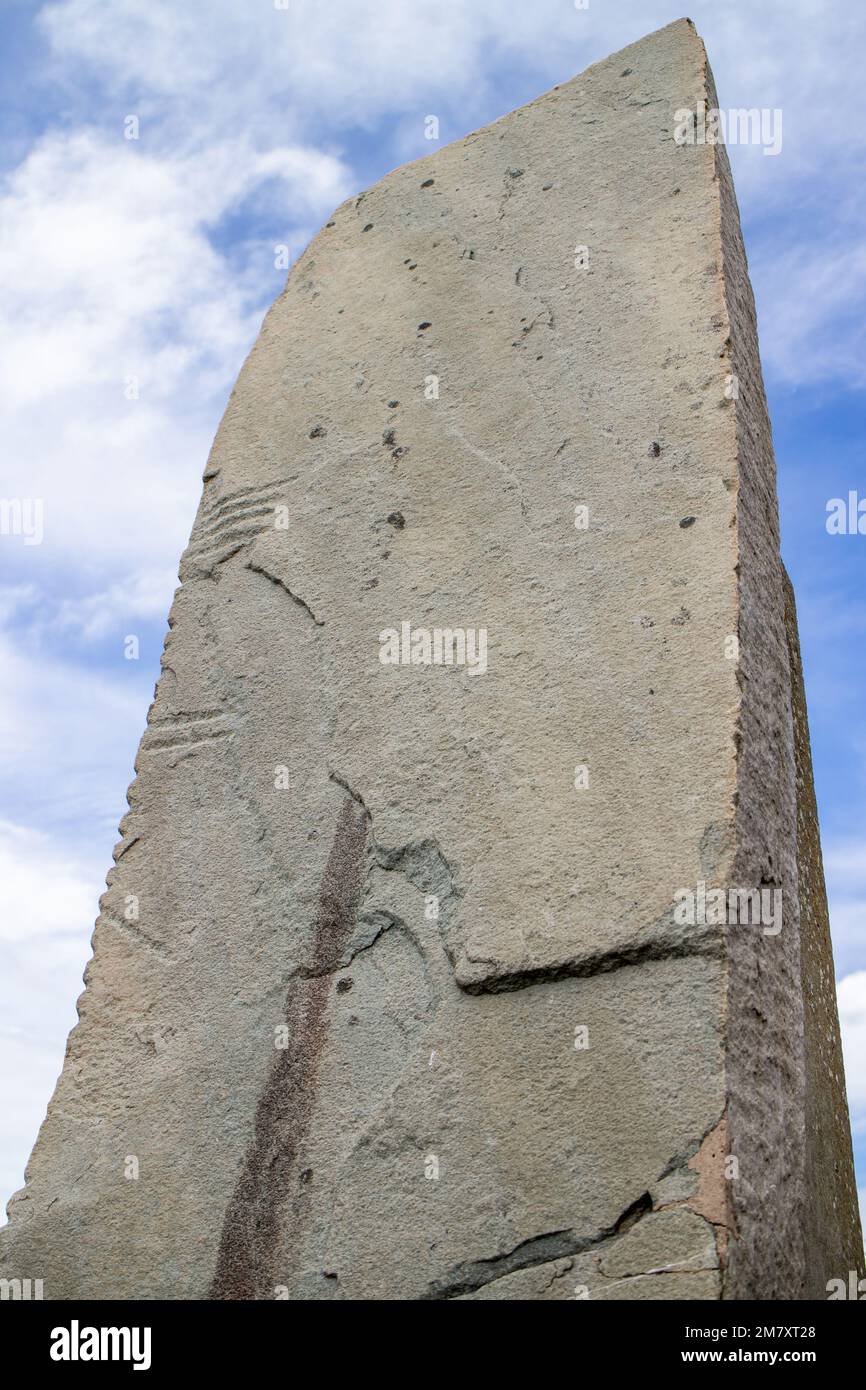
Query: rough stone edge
[[764, 1031], [780, 1204], [834, 1240]]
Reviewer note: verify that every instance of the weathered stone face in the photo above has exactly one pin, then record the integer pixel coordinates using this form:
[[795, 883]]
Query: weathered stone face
[[389, 996]]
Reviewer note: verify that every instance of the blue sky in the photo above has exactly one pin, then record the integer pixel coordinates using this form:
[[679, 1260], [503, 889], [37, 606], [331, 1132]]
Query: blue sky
[[134, 275]]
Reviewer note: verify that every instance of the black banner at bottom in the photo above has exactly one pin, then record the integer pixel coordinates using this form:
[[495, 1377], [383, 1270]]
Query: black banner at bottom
[[158, 1338]]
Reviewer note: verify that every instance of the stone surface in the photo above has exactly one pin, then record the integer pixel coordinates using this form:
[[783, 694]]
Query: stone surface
[[361, 912]]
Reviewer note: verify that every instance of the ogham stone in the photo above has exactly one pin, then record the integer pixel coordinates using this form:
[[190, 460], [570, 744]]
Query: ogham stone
[[390, 996]]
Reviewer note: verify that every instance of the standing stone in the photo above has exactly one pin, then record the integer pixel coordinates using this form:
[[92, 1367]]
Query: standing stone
[[393, 993]]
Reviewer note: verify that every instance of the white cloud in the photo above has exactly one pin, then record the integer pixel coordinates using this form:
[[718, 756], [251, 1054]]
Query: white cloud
[[813, 293], [140, 597], [67, 741], [851, 992], [848, 923], [47, 908], [14, 598], [346, 63], [144, 595], [26, 910], [845, 873], [112, 288], [31, 1065]]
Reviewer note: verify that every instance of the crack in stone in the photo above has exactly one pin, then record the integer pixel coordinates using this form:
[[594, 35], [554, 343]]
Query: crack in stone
[[513, 482], [421, 861], [681, 1160], [393, 921], [705, 942], [341, 782], [537, 1250], [258, 568], [135, 933], [422, 864]]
